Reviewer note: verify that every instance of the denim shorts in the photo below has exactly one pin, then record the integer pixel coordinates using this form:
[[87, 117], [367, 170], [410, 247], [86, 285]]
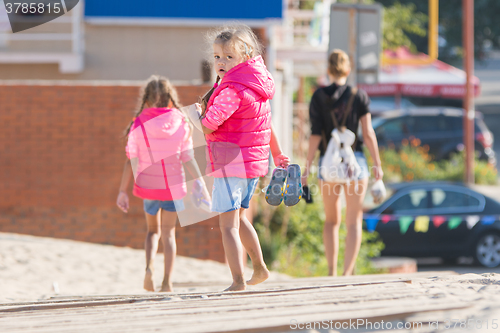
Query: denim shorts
[[153, 206], [360, 158], [232, 193]]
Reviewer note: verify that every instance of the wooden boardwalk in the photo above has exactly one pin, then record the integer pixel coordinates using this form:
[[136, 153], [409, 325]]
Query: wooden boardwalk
[[269, 307]]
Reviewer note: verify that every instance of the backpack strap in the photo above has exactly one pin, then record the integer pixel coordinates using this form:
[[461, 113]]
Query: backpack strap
[[323, 139], [348, 110], [350, 102]]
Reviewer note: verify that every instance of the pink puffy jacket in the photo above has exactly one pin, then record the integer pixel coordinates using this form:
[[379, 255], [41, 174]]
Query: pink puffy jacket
[[158, 142], [240, 146]]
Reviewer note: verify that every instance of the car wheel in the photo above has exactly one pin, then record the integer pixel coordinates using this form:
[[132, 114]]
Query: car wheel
[[487, 250]]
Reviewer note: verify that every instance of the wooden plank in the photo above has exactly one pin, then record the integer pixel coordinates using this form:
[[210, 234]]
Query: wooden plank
[[315, 308], [255, 320], [276, 300], [258, 310], [102, 302]]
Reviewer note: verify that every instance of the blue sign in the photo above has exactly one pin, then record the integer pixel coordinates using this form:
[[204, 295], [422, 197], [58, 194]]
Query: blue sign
[[186, 9]]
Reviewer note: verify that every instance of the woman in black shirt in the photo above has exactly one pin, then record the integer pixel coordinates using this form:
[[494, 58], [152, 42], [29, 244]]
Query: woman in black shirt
[[336, 97]]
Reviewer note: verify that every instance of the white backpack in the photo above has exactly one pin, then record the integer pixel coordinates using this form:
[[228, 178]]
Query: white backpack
[[339, 164]]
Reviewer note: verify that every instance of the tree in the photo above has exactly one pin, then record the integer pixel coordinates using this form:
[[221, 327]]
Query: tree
[[486, 31], [400, 23]]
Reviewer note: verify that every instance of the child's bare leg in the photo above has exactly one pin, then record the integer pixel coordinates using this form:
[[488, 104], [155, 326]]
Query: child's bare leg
[[168, 221], [151, 246], [229, 225], [251, 243]]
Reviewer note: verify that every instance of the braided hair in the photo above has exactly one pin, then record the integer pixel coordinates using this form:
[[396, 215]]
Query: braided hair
[[158, 92]]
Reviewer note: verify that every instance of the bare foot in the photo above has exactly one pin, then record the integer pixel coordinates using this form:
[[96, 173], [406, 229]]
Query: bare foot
[[148, 280], [236, 286], [166, 287], [260, 274]]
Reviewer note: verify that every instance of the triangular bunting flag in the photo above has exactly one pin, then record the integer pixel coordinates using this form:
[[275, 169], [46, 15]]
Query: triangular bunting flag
[[454, 222], [472, 221], [422, 224], [371, 223], [438, 220], [488, 219], [386, 218], [404, 223]]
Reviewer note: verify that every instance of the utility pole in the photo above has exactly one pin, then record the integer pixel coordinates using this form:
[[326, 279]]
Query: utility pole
[[468, 104]]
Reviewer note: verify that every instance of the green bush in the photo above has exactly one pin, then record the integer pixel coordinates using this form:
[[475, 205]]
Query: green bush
[[412, 162], [292, 240]]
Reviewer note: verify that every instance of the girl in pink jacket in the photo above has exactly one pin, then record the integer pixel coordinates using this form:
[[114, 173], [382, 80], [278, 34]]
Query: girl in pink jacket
[[237, 122], [159, 142]]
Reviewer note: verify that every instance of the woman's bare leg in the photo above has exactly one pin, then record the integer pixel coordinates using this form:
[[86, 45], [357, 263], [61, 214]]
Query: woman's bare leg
[[331, 199], [250, 241], [354, 220], [151, 246], [229, 226], [168, 221]]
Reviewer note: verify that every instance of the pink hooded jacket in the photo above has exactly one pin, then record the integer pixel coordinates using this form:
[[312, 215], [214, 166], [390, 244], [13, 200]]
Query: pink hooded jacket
[[158, 142], [240, 146]]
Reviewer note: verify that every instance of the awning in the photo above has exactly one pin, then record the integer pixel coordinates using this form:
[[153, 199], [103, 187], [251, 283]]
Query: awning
[[436, 79]]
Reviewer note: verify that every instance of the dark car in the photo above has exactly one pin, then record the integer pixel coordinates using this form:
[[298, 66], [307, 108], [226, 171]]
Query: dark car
[[439, 128], [438, 219]]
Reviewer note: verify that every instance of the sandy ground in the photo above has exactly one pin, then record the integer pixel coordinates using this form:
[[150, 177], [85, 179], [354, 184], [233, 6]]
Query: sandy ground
[[36, 268]]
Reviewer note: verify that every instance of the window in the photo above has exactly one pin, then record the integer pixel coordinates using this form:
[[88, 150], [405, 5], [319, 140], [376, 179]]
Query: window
[[427, 124], [456, 124], [453, 199], [414, 200], [396, 127]]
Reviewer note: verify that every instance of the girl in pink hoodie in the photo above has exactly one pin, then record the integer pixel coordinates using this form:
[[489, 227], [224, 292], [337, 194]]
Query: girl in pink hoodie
[[236, 121], [159, 142]]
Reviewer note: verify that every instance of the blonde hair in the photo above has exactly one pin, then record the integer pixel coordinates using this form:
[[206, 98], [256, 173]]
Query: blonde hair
[[339, 64], [157, 92], [236, 37]]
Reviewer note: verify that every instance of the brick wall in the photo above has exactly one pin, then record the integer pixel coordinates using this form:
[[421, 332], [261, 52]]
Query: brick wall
[[62, 155]]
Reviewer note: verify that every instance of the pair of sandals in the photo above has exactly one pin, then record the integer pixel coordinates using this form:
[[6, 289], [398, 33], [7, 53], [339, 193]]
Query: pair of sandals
[[278, 191]]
